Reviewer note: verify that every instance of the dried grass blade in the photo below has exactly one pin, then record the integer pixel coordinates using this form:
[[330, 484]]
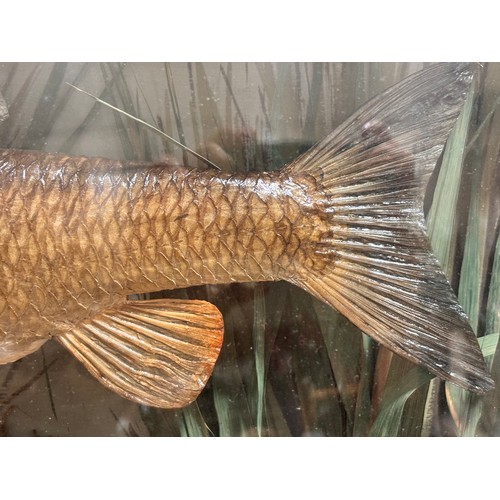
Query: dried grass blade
[[148, 125]]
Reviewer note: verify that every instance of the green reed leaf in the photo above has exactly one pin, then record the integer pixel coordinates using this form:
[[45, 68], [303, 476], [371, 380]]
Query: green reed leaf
[[194, 424], [391, 418], [259, 332], [388, 421], [11, 134], [230, 397], [344, 345], [465, 406], [441, 220]]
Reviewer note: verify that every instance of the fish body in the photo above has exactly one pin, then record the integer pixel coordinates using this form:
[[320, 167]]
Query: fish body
[[81, 234], [344, 221]]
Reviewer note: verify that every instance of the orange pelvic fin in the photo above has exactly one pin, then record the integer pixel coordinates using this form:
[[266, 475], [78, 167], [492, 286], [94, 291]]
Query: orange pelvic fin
[[155, 352]]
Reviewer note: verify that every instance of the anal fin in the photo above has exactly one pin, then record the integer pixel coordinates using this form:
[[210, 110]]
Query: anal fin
[[154, 352]]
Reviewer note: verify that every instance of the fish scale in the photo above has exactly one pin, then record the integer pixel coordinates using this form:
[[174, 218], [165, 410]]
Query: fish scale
[[90, 243]]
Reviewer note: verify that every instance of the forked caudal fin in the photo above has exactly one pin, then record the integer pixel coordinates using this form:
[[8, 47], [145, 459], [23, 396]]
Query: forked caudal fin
[[379, 269]]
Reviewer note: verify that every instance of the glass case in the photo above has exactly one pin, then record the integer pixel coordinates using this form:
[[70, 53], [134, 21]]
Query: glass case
[[290, 365]]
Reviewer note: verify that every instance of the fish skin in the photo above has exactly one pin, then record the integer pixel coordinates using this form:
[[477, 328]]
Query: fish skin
[[344, 221], [80, 234]]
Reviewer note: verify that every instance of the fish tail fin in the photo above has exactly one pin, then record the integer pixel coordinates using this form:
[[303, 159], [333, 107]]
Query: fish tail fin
[[374, 262]]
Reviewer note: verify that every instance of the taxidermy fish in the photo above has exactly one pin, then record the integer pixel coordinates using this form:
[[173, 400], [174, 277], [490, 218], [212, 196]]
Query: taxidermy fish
[[343, 221]]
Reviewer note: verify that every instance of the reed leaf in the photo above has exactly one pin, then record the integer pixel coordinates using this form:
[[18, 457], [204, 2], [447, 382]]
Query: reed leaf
[[229, 392], [314, 111], [4, 110], [10, 130], [259, 332], [284, 110], [267, 73], [193, 423], [42, 123], [390, 414], [442, 233], [491, 415], [210, 118], [441, 220], [466, 408], [289, 365], [363, 409], [344, 345]]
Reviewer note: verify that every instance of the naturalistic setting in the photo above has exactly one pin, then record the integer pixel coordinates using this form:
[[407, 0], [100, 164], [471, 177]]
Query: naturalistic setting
[[150, 271]]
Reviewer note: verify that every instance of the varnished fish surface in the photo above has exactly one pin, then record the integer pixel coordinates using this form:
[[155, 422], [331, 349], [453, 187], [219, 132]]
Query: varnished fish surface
[[344, 221]]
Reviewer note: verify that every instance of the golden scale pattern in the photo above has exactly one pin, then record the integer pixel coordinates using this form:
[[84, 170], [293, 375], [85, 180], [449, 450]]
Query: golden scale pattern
[[81, 234]]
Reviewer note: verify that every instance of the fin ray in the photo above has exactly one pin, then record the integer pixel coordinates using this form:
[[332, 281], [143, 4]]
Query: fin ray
[[376, 264], [156, 352]]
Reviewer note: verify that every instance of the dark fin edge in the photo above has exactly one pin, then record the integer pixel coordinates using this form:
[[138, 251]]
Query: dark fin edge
[[375, 264], [157, 352]]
